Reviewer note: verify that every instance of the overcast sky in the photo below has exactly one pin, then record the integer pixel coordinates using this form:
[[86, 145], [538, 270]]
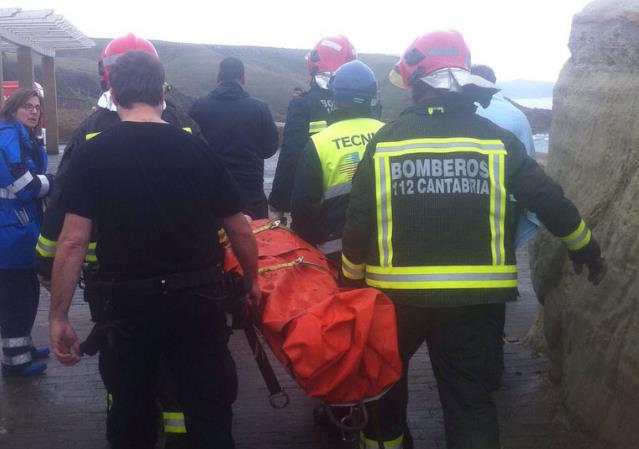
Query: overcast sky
[[519, 38]]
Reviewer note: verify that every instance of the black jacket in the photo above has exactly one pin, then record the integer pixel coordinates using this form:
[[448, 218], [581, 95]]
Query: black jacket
[[241, 131], [433, 225], [312, 106], [97, 122]]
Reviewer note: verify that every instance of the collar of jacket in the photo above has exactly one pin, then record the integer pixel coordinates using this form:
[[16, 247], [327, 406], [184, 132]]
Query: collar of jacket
[[229, 90], [349, 113], [445, 104], [18, 127]]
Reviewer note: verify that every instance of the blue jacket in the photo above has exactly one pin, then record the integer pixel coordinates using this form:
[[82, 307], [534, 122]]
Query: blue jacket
[[505, 115], [23, 162]]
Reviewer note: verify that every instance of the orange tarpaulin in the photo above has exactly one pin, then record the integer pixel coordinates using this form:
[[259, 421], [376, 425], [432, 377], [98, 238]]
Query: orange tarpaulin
[[340, 346]]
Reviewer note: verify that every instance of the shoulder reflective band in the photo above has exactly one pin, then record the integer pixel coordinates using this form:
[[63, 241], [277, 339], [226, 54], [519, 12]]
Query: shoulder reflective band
[[188, 129], [365, 443], [109, 401], [441, 146], [493, 149], [579, 238], [443, 277], [46, 247], [20, 183], [90, 136], [338, 190], [330, 247], [352, 270], [315, 127], [17, 342], [90, 254], [174, 422], [17, 359]]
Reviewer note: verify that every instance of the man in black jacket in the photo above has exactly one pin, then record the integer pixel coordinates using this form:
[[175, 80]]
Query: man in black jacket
[[240, 129]]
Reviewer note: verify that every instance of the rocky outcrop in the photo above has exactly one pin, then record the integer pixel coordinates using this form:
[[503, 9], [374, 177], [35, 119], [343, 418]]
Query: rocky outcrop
[[592, 333]]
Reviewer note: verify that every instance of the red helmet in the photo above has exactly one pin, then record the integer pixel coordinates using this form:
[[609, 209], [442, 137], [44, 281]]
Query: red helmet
[[329, 54], [429, 53], [117, 47]]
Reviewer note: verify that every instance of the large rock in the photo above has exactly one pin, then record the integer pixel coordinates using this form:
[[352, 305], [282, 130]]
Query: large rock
[[592, 333]]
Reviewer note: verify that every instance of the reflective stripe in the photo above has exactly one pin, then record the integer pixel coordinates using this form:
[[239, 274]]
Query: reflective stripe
[[315, 127], [17, 359], [497, 208], [109, 401], [579, 238], [7, 194], [384, 212], [188, 129], [44, 186], [17, 342], [432, 145], [90, 254], [351, 270], [90, 135], [46, 247], [330, 247], [20, 183], [174, 422], [337, 190], [365, 443], [442, 277]]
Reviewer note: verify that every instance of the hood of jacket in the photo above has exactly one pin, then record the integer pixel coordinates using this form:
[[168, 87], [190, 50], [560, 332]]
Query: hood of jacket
[[228, 91]]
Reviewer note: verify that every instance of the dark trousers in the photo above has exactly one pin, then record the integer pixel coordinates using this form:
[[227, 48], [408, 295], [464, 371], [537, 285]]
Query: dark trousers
[[189, 331], [19, 298], [465, 346]]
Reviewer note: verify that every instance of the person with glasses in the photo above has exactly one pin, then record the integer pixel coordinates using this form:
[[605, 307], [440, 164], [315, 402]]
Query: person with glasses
[[23, 186]]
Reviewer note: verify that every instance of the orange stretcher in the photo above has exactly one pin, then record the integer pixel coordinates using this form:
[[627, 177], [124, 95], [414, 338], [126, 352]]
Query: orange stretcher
[[340, 346]]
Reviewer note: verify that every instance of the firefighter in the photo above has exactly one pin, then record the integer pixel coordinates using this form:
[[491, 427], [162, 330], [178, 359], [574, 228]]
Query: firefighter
[[429, 224], [160, 276], [104, 117], [327, 164], [307, 114]]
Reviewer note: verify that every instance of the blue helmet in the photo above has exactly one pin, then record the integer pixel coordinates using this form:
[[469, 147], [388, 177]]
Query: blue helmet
[[354, 83]]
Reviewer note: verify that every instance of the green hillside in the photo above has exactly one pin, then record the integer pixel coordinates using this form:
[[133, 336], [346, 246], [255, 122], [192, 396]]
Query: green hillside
[[271, 73]]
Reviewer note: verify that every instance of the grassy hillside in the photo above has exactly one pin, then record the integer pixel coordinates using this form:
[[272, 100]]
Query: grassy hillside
[[271, 75]]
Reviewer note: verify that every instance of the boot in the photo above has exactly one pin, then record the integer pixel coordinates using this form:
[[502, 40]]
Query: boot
[[39, 352], [26, 370]]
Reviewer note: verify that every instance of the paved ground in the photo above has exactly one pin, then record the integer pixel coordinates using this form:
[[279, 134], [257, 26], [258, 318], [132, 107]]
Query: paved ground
[[64, 409]]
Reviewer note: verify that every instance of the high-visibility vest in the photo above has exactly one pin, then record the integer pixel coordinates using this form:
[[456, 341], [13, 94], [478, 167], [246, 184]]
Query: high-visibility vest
[[340, 147]]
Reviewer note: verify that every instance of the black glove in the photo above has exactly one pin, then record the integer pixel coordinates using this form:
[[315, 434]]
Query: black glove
[[590, 255]]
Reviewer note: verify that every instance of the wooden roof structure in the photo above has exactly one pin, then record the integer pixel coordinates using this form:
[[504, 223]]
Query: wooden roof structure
[[41, 32]]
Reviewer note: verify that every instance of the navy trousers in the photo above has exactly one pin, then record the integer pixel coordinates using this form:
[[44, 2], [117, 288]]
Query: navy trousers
[[19, 299]]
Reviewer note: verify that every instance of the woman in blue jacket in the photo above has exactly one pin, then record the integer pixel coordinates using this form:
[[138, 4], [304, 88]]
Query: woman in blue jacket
[[23, 185]]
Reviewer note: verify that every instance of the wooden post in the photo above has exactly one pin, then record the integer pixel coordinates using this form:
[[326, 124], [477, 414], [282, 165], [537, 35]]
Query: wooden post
[[50, 104], [25, 67]]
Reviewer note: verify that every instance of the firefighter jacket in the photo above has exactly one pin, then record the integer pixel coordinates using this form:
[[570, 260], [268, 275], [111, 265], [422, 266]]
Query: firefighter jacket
[[429, 221], [102, 119], [306, 115], [23, 162], [323, 180]]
